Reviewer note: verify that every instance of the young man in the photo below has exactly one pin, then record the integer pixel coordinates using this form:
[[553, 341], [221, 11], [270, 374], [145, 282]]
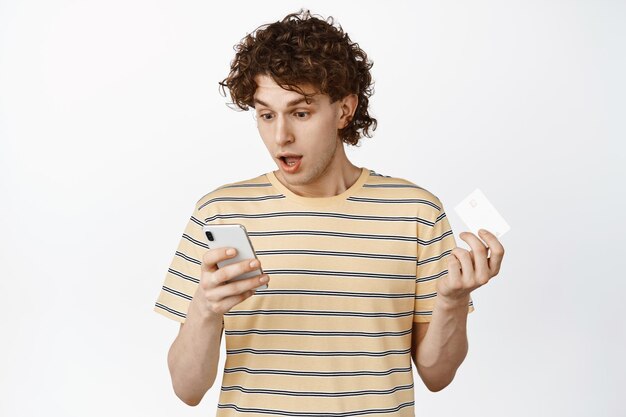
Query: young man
[[365, 274]]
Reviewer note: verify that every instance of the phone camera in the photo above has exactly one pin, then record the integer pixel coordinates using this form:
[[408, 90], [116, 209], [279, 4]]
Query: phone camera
[[209, 236]]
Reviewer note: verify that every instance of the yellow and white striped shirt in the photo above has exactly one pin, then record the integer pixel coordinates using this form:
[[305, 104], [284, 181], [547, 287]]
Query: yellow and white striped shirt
[[350, 274]]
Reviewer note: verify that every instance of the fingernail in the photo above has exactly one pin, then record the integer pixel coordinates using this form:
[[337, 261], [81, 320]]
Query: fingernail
[[230, 252], [264, 279], [254, 263], [482, 231]]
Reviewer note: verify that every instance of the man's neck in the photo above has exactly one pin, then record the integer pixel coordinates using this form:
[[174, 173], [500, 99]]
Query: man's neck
[[331, 183]]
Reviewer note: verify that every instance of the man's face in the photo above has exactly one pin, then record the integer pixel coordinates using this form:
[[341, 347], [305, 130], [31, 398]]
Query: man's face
[[287, 124]]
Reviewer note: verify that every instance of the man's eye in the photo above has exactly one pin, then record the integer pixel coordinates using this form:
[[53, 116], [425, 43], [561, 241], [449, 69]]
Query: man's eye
[[299, 115]]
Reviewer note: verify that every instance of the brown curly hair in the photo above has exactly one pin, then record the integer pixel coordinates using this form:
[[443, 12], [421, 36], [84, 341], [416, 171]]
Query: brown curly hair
[[303, 49]]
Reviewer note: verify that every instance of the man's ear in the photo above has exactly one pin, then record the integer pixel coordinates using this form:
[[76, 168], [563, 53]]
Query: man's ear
[[347, 107]]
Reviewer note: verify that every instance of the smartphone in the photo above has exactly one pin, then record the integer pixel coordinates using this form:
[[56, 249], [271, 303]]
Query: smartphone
[[233, 236]]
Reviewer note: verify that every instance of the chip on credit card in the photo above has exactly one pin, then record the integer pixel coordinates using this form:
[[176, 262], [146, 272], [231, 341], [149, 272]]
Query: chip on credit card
[[478, 213]]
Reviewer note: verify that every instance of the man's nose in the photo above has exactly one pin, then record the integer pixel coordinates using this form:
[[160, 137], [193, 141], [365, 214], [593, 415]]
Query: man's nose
[[283, 133]]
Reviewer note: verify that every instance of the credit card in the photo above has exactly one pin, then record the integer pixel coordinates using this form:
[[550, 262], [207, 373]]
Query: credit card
[[478, 213]]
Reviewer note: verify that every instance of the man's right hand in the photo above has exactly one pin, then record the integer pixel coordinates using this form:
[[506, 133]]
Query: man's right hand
[[194, 355], [215, 296]]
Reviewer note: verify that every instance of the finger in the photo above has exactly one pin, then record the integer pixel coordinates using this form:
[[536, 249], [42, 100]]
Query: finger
[[479, 257], [237, 287], [233, 270], [497, 251], [467, 268], [454, 270], [224, 305], [213, 256], [230, 302]]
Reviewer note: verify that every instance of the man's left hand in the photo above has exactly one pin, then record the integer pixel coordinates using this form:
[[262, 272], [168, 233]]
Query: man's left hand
[[468, 270]]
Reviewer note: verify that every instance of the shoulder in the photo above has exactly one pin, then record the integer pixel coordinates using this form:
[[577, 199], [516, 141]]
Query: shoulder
[[403, 190], [238, 191]]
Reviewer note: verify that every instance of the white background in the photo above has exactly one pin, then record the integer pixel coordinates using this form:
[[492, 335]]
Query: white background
[[112, 127]]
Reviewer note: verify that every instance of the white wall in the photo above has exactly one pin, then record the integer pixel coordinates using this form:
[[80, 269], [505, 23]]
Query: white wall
[[112, 127]]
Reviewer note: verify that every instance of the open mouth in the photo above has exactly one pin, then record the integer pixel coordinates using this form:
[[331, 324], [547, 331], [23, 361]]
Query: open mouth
[[290, 164], [290, 160]]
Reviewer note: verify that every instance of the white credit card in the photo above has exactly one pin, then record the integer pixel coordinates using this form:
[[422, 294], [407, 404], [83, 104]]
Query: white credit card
[[478, 213]]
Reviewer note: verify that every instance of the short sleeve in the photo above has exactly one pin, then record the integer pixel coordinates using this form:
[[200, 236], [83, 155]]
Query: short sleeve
[[432, 264], [183, 275]]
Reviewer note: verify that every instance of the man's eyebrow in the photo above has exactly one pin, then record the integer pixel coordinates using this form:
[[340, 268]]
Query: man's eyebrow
[[289, 104]]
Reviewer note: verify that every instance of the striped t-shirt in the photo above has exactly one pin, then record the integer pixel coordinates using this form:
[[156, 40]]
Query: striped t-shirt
[[349, 275]]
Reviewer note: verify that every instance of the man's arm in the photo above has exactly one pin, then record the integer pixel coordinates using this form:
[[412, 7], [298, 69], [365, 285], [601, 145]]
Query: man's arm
[[438, 348], [194, 355], [444, 345]]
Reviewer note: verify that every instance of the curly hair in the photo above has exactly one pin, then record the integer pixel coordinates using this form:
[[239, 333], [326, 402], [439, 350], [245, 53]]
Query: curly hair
[[303, 49]]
